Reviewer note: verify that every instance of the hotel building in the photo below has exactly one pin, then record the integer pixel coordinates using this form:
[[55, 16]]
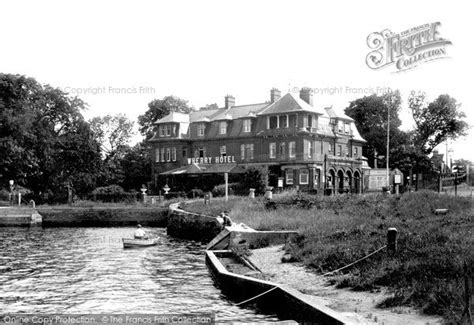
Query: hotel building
[[301, 145]]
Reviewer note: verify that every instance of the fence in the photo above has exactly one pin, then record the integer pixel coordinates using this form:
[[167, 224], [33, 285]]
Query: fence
[[438, 182], [115, 197]]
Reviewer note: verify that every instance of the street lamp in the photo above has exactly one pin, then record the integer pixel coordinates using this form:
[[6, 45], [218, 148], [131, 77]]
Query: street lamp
[[12, 187]]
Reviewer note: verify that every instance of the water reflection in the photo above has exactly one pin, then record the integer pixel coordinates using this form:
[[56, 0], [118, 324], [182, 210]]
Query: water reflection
[[86, 270]]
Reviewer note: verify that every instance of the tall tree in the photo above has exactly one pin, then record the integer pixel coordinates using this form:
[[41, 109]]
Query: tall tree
[[159, 108], [370, 114], [136, 165], [113, 132], [437, 121], [45, 144]]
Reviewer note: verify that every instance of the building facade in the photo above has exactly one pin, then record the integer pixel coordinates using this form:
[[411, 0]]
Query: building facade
[[301, 145]]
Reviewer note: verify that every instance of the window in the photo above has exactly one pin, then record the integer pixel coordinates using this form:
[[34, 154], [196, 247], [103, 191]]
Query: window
[[168, 154], [305, 121], [292, 147], [173, 154], [246, 151], [247, 125], [168, 130], [339, 150], [304, 176], [201, 128], [289, 176], [317, 147], [356, 151], [282, 150], [223, 127], [329, 147], [273, 149], [347, 128], [340, 126], [162, 130], [202, 152], [162, 154], [309, 148], [185, 152], [157, 155], [273, 122], [310, 121], [293, 121], [284, 121], [347, 150], [223, 151]]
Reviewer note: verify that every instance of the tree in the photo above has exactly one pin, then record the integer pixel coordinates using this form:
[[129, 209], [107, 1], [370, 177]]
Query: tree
[[370, 116], [45, 143], [159, 108], [437, 121], [209, 107], [136, 165], [113, 132]]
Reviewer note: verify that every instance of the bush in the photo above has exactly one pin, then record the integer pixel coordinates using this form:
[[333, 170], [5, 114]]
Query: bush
[[111, 189], [253, 177], [219, 190], [114, 193], [195, 193]]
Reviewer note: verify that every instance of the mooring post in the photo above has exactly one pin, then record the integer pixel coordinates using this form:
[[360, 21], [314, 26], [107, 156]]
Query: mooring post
[[392, 240]]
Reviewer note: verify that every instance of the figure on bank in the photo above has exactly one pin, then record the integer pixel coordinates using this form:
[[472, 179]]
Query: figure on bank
[[140, 233]]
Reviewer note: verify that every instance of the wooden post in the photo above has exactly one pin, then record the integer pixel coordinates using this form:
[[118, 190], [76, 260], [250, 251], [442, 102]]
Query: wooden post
[[226, 179], [456, 184], [440, 183], [392, 240]]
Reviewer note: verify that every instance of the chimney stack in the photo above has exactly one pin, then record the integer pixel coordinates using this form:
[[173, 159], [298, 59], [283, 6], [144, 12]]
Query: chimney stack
[[275, 95], [229, 101], [306, 94]]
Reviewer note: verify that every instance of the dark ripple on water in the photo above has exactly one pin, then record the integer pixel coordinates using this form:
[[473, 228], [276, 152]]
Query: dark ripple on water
[[86, 270]]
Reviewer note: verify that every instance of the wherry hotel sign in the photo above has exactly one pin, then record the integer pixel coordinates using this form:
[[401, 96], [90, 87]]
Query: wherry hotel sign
[[407, 49]]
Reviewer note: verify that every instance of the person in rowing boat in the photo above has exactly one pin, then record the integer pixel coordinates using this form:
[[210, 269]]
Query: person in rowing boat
[[140, 233]]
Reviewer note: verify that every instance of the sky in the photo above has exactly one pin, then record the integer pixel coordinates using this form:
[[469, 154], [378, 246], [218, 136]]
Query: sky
[[119, 55]]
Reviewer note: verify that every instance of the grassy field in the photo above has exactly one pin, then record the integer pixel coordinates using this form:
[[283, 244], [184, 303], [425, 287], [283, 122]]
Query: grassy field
[[426, 272]]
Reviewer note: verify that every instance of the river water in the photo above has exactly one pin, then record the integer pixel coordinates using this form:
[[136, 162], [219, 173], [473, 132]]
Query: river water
[[86, 270]]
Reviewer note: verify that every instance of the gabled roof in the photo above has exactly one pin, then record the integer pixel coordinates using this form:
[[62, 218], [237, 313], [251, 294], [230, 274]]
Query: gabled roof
[[333, 113], [174, 117], [290, 104]]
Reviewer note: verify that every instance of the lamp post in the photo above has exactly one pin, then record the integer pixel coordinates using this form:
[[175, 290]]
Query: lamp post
[[12, 187]]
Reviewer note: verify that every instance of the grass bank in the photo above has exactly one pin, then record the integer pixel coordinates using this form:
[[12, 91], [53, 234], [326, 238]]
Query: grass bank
[[427, 272]]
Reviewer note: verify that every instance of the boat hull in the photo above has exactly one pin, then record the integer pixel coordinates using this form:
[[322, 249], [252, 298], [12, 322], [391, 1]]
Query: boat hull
[[137, 243]]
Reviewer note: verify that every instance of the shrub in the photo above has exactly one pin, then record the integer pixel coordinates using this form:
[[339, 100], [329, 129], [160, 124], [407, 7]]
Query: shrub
[[253, 177], [219, 190], [111, 189], [195, 193]]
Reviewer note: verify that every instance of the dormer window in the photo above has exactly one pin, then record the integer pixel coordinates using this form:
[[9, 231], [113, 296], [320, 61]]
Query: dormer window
[[201, 129], [347, 128], [168, 130], [247, 125], [223, 127], [340, 127], [162, 130]]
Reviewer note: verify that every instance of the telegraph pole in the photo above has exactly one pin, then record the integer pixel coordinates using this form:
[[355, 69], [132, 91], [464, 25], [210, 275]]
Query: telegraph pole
[[388, 141]]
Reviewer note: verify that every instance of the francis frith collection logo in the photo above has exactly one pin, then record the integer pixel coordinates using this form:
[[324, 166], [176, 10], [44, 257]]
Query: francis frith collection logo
[[407, 49]]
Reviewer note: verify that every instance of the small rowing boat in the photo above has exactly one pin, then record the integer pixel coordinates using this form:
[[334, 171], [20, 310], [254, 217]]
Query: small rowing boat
[[132, 243]]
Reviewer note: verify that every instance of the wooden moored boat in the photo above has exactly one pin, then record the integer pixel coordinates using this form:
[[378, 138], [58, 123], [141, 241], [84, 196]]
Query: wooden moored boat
[[135, 243]]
